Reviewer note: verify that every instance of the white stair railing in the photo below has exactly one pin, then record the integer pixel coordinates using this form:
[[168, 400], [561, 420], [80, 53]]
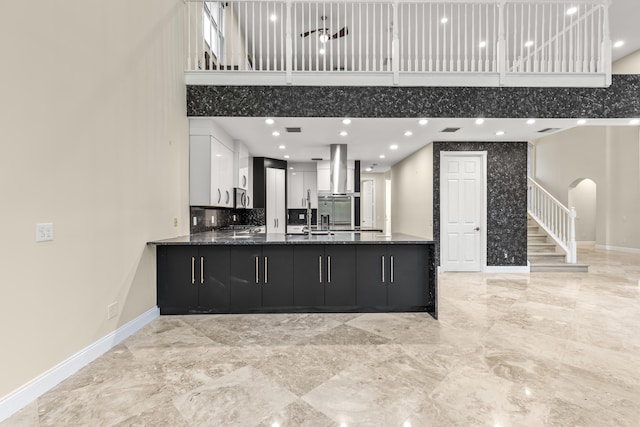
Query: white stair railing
[[556, 219]]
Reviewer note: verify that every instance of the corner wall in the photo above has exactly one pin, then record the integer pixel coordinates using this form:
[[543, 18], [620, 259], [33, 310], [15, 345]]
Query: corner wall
[[412, 194], [630, 64], [94, 139]]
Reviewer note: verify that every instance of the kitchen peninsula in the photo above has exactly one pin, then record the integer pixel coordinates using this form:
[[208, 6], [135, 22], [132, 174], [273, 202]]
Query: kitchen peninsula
[[243, 272]]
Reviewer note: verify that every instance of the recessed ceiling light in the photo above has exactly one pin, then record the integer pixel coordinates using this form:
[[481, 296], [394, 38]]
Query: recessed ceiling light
[[282, 147], [572, 10], [344, 133], [531, 121], [619, 43], [582, 121], [408, 133], [479, 121], [321, 51], [293, 173], [346, 121], [528, 44], [634, 121], [381, 156], [444, 20], [275, 133], [290, 167], [368, 169], [286, 156], [482, 44], [500, 133], [423, 122], [273, 18], [269, 121], [393, 147]]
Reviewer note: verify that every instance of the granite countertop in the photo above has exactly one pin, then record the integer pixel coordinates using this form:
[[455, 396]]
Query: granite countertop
[[243, 238]]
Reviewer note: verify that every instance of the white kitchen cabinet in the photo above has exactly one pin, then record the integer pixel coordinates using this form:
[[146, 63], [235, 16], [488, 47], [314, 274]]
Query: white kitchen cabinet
[[243, 164], [210, 172], [301, 178], [276, 218]]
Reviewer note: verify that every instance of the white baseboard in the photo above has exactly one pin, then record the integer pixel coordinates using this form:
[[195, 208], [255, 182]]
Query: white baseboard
[[619, 249], [506, 269], [29, 392]]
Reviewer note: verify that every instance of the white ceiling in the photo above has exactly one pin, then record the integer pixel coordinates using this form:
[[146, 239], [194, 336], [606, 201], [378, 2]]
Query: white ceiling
[[370, 138]]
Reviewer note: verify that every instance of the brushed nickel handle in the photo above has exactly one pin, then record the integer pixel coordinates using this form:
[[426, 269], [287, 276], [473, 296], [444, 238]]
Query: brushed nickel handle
[[219, 195], [256, 270], [328, 268], [202, 270], [382, 268], [320, 268], [193, 270], [266, 270], [392, 268], [227, 199]]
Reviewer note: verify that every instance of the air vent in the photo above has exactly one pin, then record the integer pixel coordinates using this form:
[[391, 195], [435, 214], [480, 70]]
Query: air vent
[[316, 159], [545, 130], [294, 130], [450, 130]]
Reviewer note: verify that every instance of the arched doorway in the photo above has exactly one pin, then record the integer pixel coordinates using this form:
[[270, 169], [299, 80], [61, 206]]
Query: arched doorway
[[583, 197]]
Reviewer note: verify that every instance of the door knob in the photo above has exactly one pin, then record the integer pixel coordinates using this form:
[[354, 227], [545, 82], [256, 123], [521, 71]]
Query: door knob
[[477, 228]]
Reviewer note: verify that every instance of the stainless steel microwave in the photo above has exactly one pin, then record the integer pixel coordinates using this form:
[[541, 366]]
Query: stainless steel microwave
[[241, 200]]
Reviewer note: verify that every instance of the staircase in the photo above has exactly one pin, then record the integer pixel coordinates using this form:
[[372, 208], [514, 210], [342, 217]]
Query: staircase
[[544, 255]]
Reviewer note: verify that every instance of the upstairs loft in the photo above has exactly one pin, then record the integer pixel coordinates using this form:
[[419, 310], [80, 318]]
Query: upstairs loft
[[490, 43]]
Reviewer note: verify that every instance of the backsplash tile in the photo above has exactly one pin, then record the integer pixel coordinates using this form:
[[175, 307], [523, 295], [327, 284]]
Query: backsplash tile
[[208, 219]]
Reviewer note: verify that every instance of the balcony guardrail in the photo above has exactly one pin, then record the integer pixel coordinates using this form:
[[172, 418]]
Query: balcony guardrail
[[481, 42]]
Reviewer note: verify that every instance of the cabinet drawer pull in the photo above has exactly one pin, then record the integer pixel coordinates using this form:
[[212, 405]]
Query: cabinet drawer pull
[[202, 270], [392, 268], [382, 268], [193, 270], [266, 270], [320, 268], [256, 270], [227, 200], [219, 195], [328, 268]]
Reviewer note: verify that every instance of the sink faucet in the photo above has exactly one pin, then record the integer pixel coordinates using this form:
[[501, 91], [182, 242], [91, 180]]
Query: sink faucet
[[309, 212]]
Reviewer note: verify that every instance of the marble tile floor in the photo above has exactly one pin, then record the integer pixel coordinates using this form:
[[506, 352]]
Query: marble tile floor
[[545, 349]]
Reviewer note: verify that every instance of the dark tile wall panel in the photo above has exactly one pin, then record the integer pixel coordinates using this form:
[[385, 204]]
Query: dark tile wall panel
[[621, 99], [506, 198]]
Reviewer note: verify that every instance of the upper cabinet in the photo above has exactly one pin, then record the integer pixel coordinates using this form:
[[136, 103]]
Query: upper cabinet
[[324, 176], [210, 172], [302, 177], [244, 168]]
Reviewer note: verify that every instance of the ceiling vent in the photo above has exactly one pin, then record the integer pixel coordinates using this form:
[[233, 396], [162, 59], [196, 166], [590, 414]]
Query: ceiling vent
[[450, 130], [316, 159], [294, 130], [545, 130]]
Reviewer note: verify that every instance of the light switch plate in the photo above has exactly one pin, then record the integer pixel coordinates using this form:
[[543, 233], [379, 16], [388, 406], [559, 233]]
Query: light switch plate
[[44, 232], [300, 216]]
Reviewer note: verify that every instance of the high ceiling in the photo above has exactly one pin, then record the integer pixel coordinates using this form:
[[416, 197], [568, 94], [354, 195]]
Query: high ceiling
[[368, 139]]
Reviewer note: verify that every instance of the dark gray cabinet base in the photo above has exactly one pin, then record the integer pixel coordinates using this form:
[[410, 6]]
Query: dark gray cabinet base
[[321, 278]]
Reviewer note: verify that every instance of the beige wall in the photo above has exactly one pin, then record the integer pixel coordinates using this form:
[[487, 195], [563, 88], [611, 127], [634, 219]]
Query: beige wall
[[412, 194], [93, 136], [630, 64], [610, 156]]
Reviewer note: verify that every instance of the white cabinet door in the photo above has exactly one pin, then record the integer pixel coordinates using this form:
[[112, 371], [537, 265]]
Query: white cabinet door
[[200, 170], [242, 155], [324, 179], [224, 158], [295, 198], [276, 209]]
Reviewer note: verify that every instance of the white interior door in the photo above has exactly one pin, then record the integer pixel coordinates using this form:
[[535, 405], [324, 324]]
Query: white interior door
[[462, 211], [368, 204]]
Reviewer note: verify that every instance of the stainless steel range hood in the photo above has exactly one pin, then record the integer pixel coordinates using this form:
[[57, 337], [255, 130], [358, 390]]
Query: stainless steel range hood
[[338, 168]]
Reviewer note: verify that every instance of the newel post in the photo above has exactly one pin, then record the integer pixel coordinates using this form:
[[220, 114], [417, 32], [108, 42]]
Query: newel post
[[571, 256]]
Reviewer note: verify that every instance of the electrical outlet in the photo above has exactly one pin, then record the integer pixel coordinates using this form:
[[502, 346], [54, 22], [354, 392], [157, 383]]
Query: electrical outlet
[[195, 220], [175, 222], [44, 232], [112, 310]]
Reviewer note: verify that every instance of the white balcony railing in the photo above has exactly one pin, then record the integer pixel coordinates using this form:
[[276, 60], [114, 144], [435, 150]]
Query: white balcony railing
[[556, 219], [481, 42]]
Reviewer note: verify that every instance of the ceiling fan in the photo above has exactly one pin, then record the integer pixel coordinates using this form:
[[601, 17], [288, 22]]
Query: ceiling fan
[[324, 34]]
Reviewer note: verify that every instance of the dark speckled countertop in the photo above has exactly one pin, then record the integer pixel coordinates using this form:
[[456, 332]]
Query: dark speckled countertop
[[240, 238]]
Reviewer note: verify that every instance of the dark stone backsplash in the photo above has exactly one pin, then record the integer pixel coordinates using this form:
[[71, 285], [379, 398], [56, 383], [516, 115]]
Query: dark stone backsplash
[[293, 216], [224, 217], [506, 198], [621, 99]]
